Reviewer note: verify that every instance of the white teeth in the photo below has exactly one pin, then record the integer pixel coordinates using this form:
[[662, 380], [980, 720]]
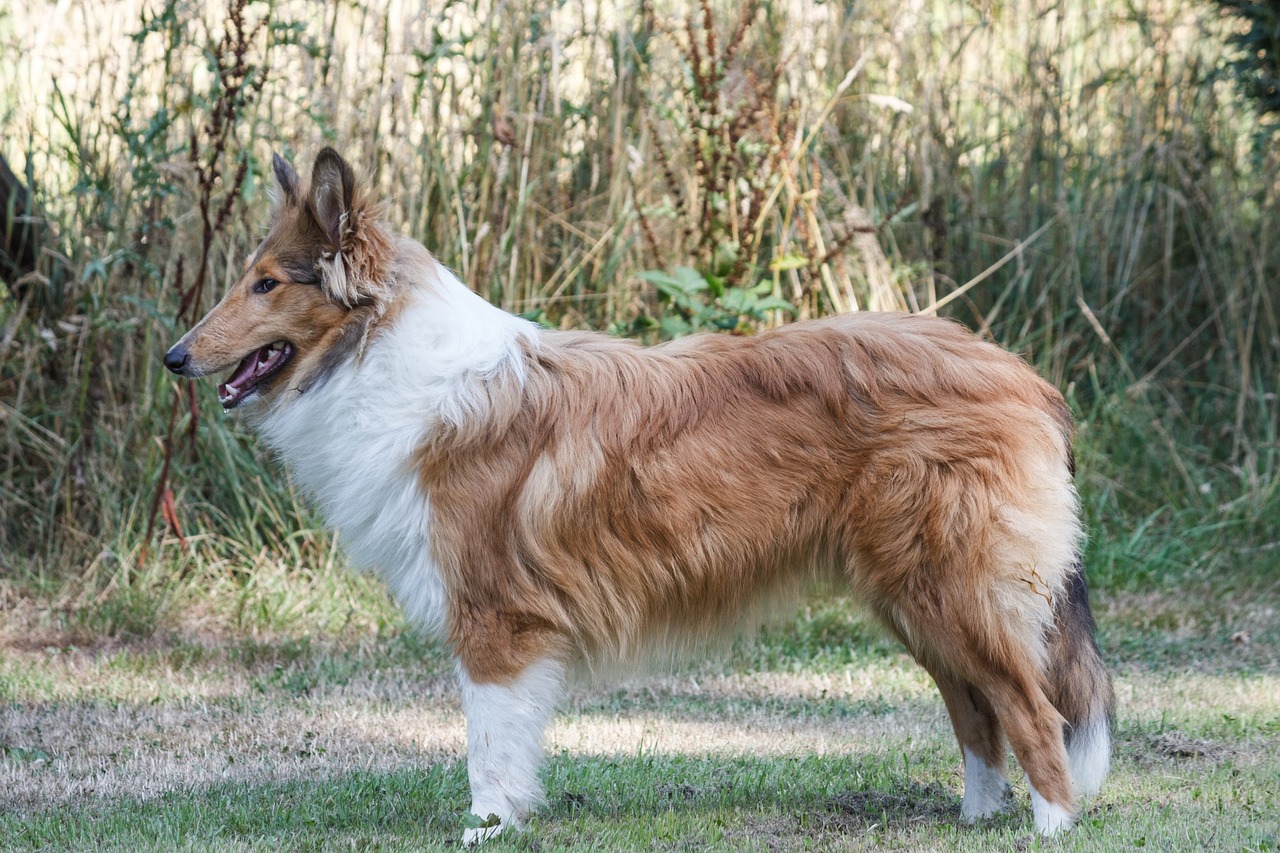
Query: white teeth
[[232, 391]]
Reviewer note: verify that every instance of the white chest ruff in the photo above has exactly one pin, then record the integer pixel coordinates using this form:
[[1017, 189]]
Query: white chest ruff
[[352, 456]]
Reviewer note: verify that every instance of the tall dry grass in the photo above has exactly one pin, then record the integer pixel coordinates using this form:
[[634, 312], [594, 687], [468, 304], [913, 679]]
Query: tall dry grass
[[1079, 180]]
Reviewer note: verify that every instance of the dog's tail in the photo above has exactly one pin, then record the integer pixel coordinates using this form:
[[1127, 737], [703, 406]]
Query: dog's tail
[[1080, 687]]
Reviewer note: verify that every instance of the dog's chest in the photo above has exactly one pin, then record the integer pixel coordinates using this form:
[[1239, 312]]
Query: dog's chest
[[354, 457]]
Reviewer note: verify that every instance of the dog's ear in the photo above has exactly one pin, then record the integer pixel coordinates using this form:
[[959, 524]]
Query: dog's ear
[[286, 177], [332, 190], [357, 247]]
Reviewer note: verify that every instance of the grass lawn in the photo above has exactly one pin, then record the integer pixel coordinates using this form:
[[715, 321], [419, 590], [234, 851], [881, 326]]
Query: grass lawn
[[817, 735]]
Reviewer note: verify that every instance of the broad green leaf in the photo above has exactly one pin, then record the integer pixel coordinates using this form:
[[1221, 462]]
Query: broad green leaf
[[690, 278]]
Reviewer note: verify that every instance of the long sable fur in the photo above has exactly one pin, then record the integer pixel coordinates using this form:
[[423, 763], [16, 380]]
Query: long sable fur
[[557, 499]]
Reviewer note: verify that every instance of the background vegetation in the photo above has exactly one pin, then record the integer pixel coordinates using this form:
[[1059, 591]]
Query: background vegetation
[[1084, 182], [1093, 184]]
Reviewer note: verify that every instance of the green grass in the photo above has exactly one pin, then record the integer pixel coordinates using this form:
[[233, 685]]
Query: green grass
[[846, 802], [816, 735]]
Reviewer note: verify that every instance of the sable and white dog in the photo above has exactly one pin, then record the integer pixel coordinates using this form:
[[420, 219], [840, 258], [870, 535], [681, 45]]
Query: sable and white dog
[[551, 502]]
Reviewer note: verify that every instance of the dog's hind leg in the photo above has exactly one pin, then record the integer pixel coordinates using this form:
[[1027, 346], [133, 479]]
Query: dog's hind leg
[[987, 646], [506, 719], [982, 743], [1034, 728]]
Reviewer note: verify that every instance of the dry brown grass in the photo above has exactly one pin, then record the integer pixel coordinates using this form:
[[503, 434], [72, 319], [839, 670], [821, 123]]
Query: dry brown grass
[[132, 721]]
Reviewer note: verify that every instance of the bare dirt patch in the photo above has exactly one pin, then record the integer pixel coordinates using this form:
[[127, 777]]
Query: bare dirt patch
[[1177, 745], [853, 820]]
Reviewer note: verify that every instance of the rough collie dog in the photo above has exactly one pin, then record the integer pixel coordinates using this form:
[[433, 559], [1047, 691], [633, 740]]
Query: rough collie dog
[[559, 502]]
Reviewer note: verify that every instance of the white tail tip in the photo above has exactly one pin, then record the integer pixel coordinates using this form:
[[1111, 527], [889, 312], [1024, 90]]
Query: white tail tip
[[1090, 755]]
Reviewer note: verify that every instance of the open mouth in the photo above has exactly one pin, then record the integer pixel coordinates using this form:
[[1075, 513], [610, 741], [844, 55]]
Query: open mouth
[[257, 367]]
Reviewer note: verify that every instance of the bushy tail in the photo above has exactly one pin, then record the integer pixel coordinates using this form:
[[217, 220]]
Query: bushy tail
[[1080, 687]]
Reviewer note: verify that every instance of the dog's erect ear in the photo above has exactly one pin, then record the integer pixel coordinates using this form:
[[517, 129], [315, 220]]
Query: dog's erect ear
[[332, 189], [358, 248], [286, 177]]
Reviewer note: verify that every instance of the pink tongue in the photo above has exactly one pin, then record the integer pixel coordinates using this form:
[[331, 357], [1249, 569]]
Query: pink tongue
[[243, 380], [247, 368]]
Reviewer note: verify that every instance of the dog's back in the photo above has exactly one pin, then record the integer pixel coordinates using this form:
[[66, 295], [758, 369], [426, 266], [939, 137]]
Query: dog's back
[[629, 492]]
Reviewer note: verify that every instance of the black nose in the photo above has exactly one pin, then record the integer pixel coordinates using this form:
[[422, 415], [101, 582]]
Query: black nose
[[176, 359]]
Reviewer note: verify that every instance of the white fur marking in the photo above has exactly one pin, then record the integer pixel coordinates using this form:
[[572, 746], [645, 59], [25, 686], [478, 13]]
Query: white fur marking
[[1050, 818], [985, 788], [505, 724], [1090, 755]]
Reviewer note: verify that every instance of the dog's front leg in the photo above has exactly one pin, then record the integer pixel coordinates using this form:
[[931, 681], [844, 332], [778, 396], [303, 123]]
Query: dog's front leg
[[506, 719]]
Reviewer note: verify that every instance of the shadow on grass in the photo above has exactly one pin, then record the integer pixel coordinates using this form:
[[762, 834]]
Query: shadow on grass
[[590, 800]]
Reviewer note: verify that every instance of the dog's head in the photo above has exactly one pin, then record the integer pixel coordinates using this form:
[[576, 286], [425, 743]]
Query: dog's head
[[308, 295]]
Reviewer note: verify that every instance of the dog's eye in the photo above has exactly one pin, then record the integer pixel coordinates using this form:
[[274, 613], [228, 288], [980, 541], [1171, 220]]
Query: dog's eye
[[265, 285]]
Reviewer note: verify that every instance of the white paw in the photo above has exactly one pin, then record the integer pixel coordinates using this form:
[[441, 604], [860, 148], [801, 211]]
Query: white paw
[[986, 790], [1050, 818], [985, 803]]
